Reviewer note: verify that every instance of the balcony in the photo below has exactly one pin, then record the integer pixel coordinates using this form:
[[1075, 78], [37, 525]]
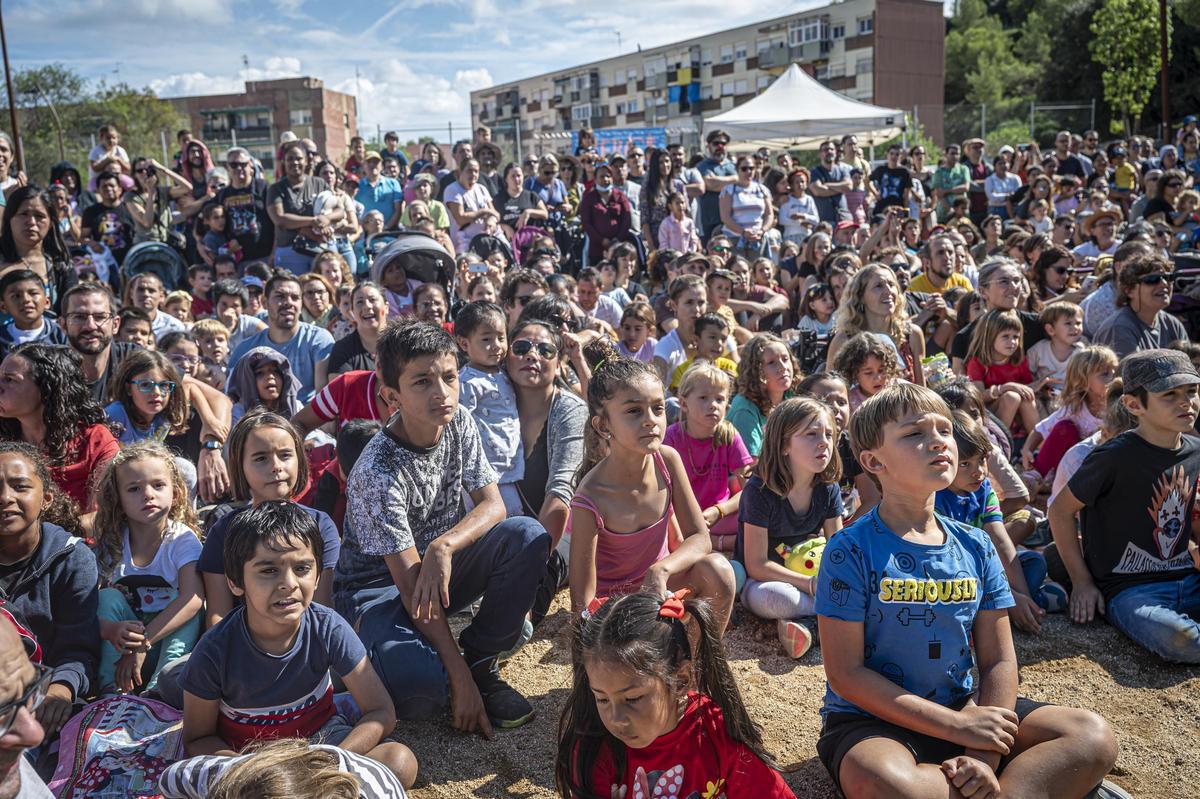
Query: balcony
[[774, 57], [722, 69], [843, 82], [658, 81], [636, 116], [255, 133], [619, 90], [859, 42], [534, 107]]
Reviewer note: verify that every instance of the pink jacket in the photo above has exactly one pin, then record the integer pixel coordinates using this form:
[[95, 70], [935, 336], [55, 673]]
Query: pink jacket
[[678, 235]]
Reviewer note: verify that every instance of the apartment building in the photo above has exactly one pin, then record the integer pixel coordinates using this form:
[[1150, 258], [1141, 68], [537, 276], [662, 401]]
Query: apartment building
[[257, 118], [887, 52]]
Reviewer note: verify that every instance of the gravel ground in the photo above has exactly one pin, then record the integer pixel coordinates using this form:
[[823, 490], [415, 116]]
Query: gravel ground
[[1154, 708]]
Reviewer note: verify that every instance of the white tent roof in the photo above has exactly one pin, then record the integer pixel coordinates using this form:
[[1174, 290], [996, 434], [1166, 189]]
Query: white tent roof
[[798, 112]]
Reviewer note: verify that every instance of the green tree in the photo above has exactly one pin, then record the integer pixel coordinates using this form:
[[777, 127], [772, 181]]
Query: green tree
[[141, 117], [1126, 47]]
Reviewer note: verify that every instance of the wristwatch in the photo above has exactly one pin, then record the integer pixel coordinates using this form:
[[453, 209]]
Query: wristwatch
[[212, 443]]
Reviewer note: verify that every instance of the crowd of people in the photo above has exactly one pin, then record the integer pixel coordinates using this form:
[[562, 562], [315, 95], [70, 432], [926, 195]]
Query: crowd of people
[[894, 410]]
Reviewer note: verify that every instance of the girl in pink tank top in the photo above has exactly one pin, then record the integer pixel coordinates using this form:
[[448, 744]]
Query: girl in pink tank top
[[634, 519]]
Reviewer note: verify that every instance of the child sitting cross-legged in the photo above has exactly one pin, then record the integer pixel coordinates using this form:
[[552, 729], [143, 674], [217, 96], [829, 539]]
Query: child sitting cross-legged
[[1136, 562], [635, 521], [793, 499], [971, 500], [909, 603], [997, 365], [1089, 371], [263, 672]]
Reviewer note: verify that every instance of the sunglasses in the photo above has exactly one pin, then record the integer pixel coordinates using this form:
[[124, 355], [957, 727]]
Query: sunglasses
[[522, 347], [1174, 184], [745, 169], [1061, 270], [1154, 279], [148, 171], [721, 248], [150, 386]]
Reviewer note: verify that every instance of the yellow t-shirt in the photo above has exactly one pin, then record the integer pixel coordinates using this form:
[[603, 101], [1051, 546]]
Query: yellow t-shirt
[[724, 364], [922, 284], [1125, 177], [728, 315]]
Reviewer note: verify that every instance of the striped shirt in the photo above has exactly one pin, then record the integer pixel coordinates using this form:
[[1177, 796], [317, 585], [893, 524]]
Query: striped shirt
[[195, 777]]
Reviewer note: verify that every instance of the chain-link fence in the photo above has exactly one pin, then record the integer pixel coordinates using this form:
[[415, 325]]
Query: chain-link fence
[[1017, 122]]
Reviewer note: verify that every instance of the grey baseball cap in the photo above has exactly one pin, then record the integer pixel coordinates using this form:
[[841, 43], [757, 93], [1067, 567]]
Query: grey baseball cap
[[1157, 371]]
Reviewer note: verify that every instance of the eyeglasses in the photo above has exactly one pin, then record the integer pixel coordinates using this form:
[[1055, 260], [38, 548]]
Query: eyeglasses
[[150, 386], [237, 164], [82, 318], [1061, 270], [1174, 184], [522, 347], [144, 171], [745, 169], [31, 700], [1154, 279], [564, 321], [314, 293], [720, 248], [180, 358]]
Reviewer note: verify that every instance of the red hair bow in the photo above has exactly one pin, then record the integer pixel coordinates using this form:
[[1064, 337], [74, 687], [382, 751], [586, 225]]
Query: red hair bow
[[672, 606]]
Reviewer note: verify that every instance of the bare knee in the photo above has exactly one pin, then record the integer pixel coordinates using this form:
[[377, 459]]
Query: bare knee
[[399, 759], [879, 778], [1092, 738], [713, 576]]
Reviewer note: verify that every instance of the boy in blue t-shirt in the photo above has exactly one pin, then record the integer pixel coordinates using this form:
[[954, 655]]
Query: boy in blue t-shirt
[[263, 672], [908, 601], [971, 500]]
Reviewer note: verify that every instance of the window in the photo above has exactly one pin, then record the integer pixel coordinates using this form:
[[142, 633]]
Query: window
[[582, 113], [632, 74], [300, 116], [706, 57], [795, 33], [706, 92], [761, 45], [620, 108], [619, 78], [655, 66], [822, 73], [866, 25], [837, 70], [726, 53], [865, 66], [726, 88], [839, 30], [603, 79], [763, 82], [633, 106], [741, 87], [660, 99], [739, 50], [802, 31]]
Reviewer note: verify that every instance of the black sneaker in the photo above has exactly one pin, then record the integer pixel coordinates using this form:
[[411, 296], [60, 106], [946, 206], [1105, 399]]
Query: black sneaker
[[505, 706], [553, 579]]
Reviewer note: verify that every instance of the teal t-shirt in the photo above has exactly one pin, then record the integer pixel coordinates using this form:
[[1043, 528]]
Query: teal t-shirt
[[976, 509], [749, 421]]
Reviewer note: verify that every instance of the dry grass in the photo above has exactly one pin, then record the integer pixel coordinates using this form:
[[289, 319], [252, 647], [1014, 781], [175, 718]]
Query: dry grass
[[1154, 708]]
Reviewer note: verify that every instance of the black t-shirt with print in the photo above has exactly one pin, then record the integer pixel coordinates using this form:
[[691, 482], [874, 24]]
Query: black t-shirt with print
[[892, 184], [111, 227], [348, 355], [510, 208], [1137, 514], [246, 218]]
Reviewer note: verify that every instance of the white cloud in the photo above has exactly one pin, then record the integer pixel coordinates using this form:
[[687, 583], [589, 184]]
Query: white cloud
[[392, 94], [187, 84]]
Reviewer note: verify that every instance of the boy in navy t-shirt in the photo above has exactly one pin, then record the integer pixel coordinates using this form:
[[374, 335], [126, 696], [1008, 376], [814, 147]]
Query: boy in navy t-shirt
[[1137, 492], [264, 671], [908, 601], [971, 500]]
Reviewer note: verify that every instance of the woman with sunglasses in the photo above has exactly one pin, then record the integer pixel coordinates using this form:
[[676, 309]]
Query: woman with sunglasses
[[1051, 277], [552, 421], [1162, 207], [1142, 322], [149, 202], [746, 210]]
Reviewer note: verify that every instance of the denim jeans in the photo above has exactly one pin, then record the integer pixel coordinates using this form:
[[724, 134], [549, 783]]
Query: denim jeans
[[1033, 567], [504, 567], [1163, 617], [292, 261], [114, 607]]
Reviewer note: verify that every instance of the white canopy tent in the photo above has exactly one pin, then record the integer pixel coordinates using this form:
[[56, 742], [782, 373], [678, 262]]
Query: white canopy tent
[[797, 112]]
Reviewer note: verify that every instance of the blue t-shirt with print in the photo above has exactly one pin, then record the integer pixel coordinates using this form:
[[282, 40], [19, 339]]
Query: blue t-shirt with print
[[976, 509], [917, 604]]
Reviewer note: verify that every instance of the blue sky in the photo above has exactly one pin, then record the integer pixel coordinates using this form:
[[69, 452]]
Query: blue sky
[[417, 60]]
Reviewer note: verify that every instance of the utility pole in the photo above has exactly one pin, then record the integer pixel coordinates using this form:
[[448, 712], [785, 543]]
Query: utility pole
[[618, 41], [19, 154], [1162, 43]]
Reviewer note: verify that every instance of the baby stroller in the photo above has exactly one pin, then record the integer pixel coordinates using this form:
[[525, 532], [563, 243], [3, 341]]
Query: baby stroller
[[485, 244], [372, 246], [161, 259], [423, 259]]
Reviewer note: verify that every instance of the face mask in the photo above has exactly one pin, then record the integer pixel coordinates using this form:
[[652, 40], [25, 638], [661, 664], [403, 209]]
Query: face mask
[[603, 189]]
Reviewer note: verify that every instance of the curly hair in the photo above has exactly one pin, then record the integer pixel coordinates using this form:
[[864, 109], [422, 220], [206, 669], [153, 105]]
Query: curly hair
[[852, 315], [858, 349], [110, 513], [751, 382], [67, 405], [62, 510]]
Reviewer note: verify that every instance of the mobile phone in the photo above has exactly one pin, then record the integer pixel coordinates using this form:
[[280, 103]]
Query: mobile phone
[[477, 267], [902, 213]]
